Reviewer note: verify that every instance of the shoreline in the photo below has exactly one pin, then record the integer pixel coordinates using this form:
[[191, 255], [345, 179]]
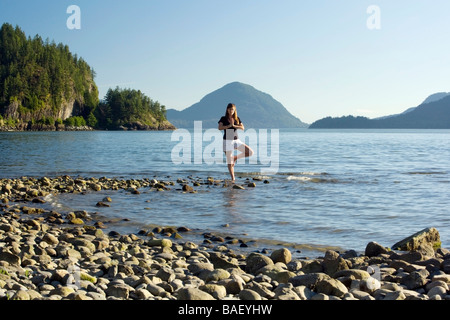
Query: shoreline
[[39, 188], [83, 129], [45, 255]]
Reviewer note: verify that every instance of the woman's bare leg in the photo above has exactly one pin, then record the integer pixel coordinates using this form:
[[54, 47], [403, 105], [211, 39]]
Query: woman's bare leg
[[230, 161], [231, 170], [246, 152]]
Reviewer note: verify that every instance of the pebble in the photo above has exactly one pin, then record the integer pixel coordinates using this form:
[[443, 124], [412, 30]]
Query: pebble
[[48, 256]]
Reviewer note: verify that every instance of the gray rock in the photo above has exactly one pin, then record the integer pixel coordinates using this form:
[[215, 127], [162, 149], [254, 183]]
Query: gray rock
[[349, 296], [281, 255], [308, 280], [10, 258], [21, 295], [50, 239], [294, 266], [374, 249], [410, 257], [433, 284], [193, 294], [6, 227], [442, 277], [256, 261], [99, 294], [331, 287], [314, 266], [437, 290], [155, 289], [286, 292], [217, 291], [235, 284], [277, 272], [395, 295], [303, 292], [198, 267], [166, 274], [320, 297], [370, 284], [333, 263], [415, 279], [121, 291], [261, 289], [412, 243], [360, 295], [220, 261], [248, 294], [446, 266], [62, 291], [427, 249], [217, 275], [356, 273], [142, 294]]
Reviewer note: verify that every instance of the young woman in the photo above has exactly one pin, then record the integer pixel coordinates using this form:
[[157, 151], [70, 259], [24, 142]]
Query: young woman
[[230, 123]]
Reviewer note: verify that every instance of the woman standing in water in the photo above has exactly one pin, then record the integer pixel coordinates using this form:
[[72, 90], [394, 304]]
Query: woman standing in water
[[230, 123]]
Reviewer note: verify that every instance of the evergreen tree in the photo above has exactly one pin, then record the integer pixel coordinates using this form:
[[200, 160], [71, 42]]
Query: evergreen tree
[[38, 78], [127, 108], [41, 76]]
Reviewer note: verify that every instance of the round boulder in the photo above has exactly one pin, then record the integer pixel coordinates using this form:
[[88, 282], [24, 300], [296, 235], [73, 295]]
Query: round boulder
[[281, 255]]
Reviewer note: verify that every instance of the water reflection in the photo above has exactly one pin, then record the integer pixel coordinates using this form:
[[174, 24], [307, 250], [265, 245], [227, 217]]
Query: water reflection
[[236, 208], [82, 153]]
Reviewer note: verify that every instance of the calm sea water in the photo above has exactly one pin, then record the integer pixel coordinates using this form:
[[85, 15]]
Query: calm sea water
[[334, 188]]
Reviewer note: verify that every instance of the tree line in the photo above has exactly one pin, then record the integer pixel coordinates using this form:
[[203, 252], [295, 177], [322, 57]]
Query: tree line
[[38, 79], [130, 109]]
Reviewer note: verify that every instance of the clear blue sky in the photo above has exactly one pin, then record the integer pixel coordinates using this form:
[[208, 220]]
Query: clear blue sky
[[318, 58]]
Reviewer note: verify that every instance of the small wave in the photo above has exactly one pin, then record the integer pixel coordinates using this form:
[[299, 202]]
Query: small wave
[[283, 223], [306, 173], [298, 178], [262, 242], [53, 201], [310, 179], [426, 172]]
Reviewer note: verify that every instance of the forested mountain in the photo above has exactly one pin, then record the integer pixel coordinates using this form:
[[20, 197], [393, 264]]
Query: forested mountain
[[255, 108], [43, 86], [41, 81]]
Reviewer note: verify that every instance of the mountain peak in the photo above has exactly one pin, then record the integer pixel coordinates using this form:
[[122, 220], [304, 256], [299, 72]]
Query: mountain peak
[[255, 108], [237, 84], [436, 97]]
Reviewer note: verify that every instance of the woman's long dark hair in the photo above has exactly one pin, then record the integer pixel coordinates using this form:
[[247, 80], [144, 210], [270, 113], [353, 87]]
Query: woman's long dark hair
[[235, 116]]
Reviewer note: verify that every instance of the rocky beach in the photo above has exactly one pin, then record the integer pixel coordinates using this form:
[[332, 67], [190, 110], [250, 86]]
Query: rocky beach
[[48, 255]]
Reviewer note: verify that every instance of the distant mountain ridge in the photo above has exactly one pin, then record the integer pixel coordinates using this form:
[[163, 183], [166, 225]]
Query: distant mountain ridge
[[433, 113], [432, 98], [436, 97], [255, 108]]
